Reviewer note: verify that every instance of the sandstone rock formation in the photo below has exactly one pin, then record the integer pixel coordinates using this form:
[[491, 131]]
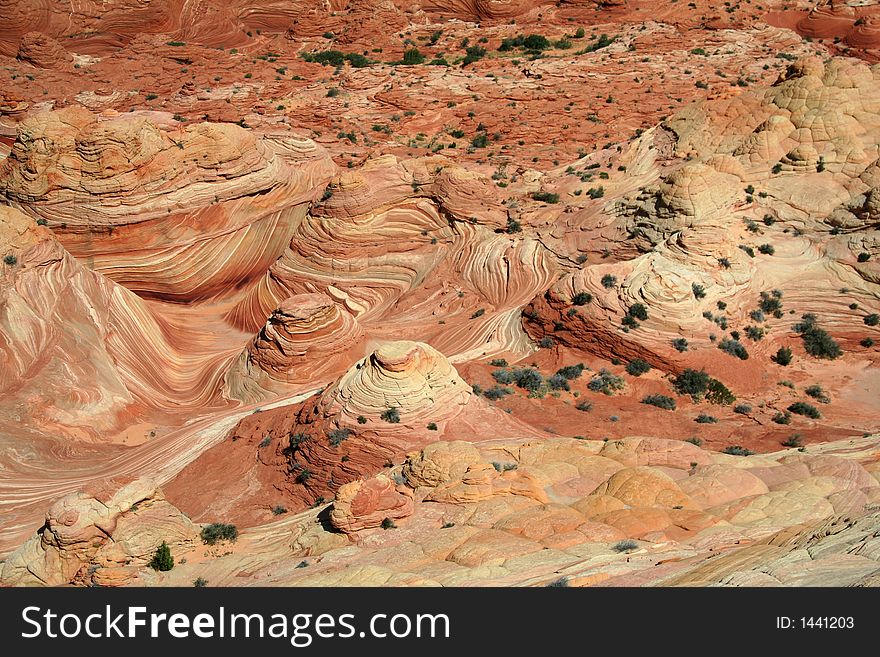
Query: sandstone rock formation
[[101, 539], [180, 213]]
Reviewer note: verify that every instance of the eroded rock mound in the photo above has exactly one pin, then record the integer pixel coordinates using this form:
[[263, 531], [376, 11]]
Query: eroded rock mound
[[101, 539], [172, 212], [306, 336]]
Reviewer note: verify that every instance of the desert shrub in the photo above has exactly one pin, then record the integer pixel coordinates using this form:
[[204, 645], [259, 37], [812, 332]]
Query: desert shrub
[[737, 450], [336, 436], [782, 418], [391, 415], [660, 401], [605, 382], [388, 523], [805, 409], [718, 393], [766, 249], [218, 531], [582, 298], [742, 409], [771, 302], [584, 406], [571, 372], [783, 356], [872, 320], [680, 344], [496, 392], [200, 582], [794, 440], [504, 377], [528, 378], [637, 367], [691, 382], [704, 418], [609, 281], [754, 333], [361, 419], [638, 311], [498, 362], [816, 392], [412, 56], [734, 348], [431, 426], [546, 342], [479, 312], [10, 259], [625, 545], [162, 559], [864, 256], [559, 583], [545, 197], [698, 290], [817, 342], [694, 441], [265, 442], [558, 382]]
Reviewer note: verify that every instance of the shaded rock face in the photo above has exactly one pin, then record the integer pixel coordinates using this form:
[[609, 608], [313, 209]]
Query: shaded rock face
[[100, 540]]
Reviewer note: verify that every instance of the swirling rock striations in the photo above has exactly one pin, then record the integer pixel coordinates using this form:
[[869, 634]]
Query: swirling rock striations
[[306, 337], [80, 352], [182, 214]]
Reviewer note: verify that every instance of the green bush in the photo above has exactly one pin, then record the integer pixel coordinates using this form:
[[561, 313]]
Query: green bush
[[734, 348], [718, 393], [545, 197], [605, 382], [218, 531], [162, 559], [737, 450], [637, 367], [660, 401], [497, 392], [412, 56], [872, 320], [337, 436], [783, 356], [639, 311], [625, 545], [391, 415], [582, 298], [571, 372], [609, 281], [817, 342], [691, 382], [704, 418], [782, 418], [805, 409], [680, 344], [742, 409]]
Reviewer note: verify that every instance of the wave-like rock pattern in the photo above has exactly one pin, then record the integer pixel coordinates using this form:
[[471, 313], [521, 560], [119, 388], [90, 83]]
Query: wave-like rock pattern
[[176, 213]]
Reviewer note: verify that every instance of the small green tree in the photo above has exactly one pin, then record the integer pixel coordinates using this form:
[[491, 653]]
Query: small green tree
[[162, 559]]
